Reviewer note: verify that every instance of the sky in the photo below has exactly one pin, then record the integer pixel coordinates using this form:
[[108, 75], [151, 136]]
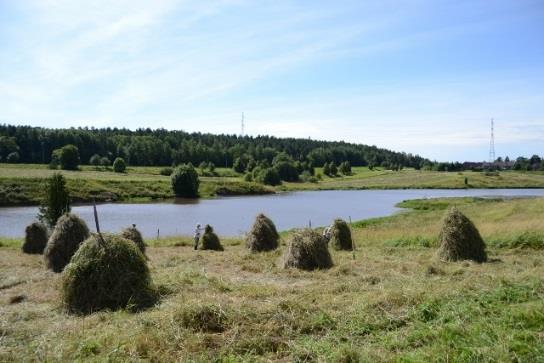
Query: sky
[[420, 76]]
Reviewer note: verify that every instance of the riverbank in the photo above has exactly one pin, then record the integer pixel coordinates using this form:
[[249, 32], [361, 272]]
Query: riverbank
[[390, 300], [22, 184]]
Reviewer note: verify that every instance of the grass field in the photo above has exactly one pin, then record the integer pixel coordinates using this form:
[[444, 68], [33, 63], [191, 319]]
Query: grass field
[[389, 301], [21, 184]]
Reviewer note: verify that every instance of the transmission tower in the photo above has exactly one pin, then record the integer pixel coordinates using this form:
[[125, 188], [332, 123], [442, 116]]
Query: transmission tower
[[492, 143], [243, 125]]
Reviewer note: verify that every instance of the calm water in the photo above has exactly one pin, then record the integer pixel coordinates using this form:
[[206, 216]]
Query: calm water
[[232, 216]]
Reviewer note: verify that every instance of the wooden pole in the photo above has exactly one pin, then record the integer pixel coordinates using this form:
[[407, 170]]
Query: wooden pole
[[100, 238], [352, 241]]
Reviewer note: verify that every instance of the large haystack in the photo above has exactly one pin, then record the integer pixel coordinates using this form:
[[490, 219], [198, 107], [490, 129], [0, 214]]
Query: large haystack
[[263, 235], [35, 238], [134, 235], [209, 240], [459, 239], [109, 273], [307, 250], [341, 235], [68, 234]]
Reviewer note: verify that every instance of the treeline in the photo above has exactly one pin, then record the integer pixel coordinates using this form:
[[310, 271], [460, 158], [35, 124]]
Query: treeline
[[160, 147]]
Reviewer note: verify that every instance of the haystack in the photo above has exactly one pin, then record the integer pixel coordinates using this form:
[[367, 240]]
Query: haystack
[[35, 238], [459, 239], [263, 235], [134, 235], [109, 273], [209, 240], [341, 235], [307, 250], [68, 234]]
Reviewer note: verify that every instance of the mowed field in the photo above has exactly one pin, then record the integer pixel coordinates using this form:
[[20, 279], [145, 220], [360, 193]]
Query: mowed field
[[22, 184], [391, 300]]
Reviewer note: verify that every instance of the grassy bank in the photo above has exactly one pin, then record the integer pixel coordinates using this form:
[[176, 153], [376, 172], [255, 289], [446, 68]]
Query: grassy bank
[[22, 184], [394, 302]]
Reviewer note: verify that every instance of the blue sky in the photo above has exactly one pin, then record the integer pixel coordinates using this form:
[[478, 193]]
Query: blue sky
[[417, 76]]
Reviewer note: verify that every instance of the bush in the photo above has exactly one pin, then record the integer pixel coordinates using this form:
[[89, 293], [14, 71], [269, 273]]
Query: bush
[[459, 239], [326, 169], [35, 238], [107, 274], [263, 236], [67, 156], [166, 171], [341, 235], [307, 250], [333, 169], [56, 201], [269, 176], [13, 157], [185, 181], [209, 240], [105, 161], [70, 231], [132, 234], [119, 165], [248, 177], [287, 171], [95, 160]]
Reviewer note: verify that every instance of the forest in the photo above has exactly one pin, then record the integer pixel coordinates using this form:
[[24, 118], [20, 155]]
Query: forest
[[160, 147]]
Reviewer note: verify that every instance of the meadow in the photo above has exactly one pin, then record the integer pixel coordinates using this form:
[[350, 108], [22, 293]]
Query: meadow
[[22, 184], [390, 300]]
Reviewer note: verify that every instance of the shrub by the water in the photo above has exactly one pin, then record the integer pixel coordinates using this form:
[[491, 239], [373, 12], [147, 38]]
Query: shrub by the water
[[134, 235], [459, 239], [107, 274], [119, 165], [307, 250], [341, 235], [68, 157], [263, 235], [35, 238], [185, 181], [70, 231], [209, 240], [166, 171], [56, 201]]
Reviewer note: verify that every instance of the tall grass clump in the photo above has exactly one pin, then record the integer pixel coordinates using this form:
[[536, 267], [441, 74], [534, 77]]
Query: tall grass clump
[[263, 236], [209, 240], [307, 250], [341, 235], [459, 239], [107, 272], [68, 234], [35, 238], [134, 235]]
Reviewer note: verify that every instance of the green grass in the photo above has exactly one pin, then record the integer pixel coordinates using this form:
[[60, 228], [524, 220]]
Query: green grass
[[394, 302], [21, 184]]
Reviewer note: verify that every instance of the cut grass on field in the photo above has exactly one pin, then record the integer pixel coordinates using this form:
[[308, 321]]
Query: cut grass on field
[[393, 302]]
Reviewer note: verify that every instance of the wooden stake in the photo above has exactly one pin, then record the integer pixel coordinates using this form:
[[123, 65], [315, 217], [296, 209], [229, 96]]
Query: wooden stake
[[100, 238]]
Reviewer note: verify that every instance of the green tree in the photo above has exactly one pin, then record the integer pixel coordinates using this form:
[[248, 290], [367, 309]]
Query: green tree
[[345, 168], [119, 165], [95, 160], [239, 166], [56, 201], [333, 168], [269, 176], [13, 157], [185, 181], [67, 156], [327, 169]]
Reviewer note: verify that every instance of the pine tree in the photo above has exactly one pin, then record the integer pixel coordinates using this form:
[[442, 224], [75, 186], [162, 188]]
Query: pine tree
[[56, 201]]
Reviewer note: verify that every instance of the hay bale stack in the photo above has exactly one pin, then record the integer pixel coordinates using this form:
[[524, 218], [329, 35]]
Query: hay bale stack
[[307, 250], [263, 235], [341, 235], [110, 273], [134, 235], [70, 231], [209, 240], [459, 239], [35, 238]]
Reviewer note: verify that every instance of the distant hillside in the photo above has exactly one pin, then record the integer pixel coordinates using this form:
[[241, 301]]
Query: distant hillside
[[164, 147]]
